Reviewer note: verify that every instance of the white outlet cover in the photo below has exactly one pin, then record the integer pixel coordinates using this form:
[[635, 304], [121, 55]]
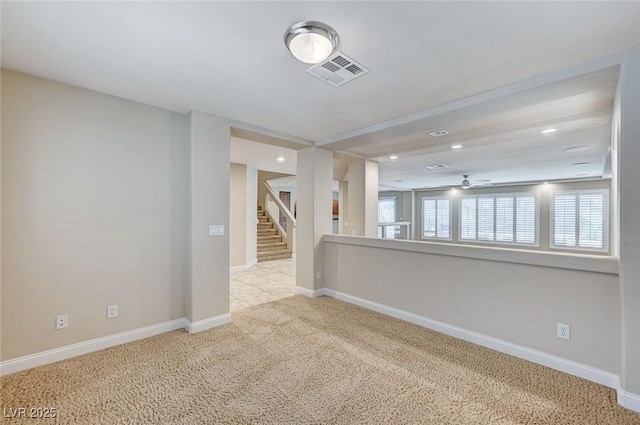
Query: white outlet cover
[[62, 321], [112, 311], [564, 331]]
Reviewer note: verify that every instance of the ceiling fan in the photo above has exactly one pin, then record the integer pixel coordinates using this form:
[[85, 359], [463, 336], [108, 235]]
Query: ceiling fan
[[466, 184]]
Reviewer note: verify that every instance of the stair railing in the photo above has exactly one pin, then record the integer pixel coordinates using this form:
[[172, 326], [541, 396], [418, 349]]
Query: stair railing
[[273, 206]]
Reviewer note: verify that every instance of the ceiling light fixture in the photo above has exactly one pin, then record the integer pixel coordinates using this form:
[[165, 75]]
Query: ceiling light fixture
[[549, 131], [392, 157], [580, 163], [280, 159], [311, 41], [456, 147], [466, 184]]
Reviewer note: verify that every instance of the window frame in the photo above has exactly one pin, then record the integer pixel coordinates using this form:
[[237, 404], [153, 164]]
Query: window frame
[[436, 198], [494, 196], [395, 208], [606, 220]]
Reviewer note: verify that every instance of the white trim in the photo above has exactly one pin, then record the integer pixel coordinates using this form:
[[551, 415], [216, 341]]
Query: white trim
[[73, 350], [629, 400], [243, 267], [203, 325], [310, 292], [577, 369]]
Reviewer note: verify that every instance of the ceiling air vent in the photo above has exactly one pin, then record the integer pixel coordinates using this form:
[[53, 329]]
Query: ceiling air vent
[[338, 69], [436, 166], [439, 133]]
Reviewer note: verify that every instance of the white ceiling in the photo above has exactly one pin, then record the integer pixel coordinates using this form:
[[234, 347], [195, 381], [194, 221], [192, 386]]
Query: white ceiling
[[263, 156], [228, 59]]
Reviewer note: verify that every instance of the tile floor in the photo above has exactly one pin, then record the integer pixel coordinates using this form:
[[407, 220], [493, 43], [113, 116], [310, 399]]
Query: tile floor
[[264, 282]]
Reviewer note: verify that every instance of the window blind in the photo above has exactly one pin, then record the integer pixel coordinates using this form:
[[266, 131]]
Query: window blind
[[579, 220], [503, 218], [435, 218], [386, 210]]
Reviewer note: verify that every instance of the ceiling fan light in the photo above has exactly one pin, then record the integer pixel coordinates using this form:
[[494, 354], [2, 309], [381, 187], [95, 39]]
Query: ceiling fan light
[[311, 41]]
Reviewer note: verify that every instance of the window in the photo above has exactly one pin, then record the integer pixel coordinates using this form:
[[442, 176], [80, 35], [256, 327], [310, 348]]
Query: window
[[509, 218], [436, 216], [387, 214], [386, 210], [579, 220]]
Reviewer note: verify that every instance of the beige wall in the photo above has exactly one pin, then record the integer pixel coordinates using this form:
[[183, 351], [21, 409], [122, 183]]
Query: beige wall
[[238, 215], [94, 212], [517, 303], [208, 291], [315, 211], [362, 198]]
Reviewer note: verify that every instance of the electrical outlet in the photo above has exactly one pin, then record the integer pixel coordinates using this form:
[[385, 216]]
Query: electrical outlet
[[564, 331], [112, 311], [318, 274], [62, 321]]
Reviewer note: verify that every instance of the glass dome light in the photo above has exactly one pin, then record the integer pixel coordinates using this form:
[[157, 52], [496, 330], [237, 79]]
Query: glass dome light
[[311, 41]]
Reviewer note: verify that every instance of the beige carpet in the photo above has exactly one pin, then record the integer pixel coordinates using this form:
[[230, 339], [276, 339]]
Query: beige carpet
[[309, 361]]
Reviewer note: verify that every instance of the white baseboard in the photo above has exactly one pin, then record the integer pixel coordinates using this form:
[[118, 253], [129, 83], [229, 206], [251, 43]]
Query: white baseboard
[[73, 350], [573, 368], [235, 269], [629, 400], [203, 325], [310, 292]]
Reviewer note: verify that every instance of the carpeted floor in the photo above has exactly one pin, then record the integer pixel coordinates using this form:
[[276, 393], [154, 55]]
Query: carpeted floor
[[308, 361]]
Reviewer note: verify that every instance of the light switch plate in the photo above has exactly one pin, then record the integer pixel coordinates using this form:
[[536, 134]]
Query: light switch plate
[[216, 230]]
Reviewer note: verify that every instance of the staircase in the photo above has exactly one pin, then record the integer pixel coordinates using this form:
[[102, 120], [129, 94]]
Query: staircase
[[270, 243]]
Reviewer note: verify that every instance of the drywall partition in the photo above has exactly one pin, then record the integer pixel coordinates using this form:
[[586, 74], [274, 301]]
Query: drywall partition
[[208, 290], [95, 212], [242, 218], [252, 218], [363, 198], [315, 190], [629, 199], [238, 215], [506, 299]]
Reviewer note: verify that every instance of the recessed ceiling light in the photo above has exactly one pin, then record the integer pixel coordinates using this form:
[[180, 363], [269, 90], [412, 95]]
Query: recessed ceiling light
[[280, 159], [545, 183], [580, 163], [438, 133], [393, 157], [549, 131], [576, 149], [456, 147], [399, 181]]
